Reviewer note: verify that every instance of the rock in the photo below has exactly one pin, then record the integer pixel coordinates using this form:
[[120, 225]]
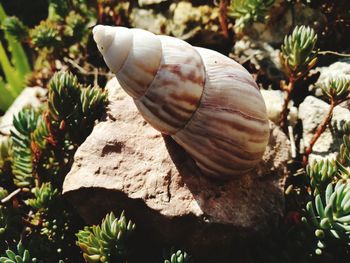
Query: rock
[[125, 164], [282, 21], [31, 96], [198, 25], [274, 100], [144, 3], [311, 112], [262, 55], [340, 68], [149, 20]]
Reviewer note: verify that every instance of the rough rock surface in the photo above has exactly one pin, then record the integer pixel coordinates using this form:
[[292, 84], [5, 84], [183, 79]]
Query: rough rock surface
[[337, 69], [127, 165], [311, 112], [282, 21], [262, 55], [274, 100]]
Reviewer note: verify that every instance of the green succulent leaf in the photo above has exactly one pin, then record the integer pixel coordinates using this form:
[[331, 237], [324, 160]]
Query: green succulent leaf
[[20, 255], [298, 53], [15, 27], [321, 173], [45, 35], [74, 107], [337, 88], [106, 242], [178, 256], [248, 11], [22, 167], [329, 213], [43, 196]]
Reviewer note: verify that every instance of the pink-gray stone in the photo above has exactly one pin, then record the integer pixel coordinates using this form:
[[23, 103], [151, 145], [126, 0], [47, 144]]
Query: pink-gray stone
[[125, 164]]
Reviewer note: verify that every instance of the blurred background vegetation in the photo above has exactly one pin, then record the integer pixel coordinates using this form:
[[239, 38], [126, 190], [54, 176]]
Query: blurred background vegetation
[[278, 41]]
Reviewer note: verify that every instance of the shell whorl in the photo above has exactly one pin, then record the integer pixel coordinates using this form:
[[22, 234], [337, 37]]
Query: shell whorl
[[207, 102]]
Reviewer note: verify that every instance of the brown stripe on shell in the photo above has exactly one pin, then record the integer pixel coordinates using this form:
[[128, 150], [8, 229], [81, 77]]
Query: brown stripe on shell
[[177, 87], [142, 63], [228, 133]]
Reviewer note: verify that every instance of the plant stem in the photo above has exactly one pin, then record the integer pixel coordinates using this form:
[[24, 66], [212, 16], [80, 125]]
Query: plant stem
[[320, 129], [333, 53], [223, 17], [284, 113]]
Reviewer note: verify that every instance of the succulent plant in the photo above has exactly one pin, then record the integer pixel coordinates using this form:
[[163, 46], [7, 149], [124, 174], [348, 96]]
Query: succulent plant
[[298, 53], [321, 173], [337, 88], [15, 27], [343, 158], [178, 257], [105, 243], [43, 196], [22, 167], [21, 255], [74, 107], [45, 35], [248, 11], [5, 153], [76, 25], [329, 214]]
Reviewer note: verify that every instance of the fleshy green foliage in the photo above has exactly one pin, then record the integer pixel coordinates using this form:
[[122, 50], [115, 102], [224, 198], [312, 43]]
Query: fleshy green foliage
[[14, 67], [58, 9], [5, 153], [337, 88], [76, 27], [3, 220], [15, 27], [298, 53], [20, 256], [105, 243], [3, 212], [45, 35], [40, 134], [330, 213], [343, 160], [39, 151], [178, 257], [321, 173], [249, 11], [22, 167], [74, 107], [43, 196]]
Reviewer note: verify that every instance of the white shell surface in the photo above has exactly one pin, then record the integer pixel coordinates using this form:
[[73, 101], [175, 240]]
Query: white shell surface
[[114, 43], [142, 63], [228, 133], [174, 94]]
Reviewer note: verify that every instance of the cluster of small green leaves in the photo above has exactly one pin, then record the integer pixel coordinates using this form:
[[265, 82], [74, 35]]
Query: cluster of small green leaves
[[25, 124], [106, 243], [178, 256], [83, 105], [34, 157], [20, 256], [14, 63], [66, 20], [64, 34], [328, 211], [248, 11], [337, 89], [298, 54]]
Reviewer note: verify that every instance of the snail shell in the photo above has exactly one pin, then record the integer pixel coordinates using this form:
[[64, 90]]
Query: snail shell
[[207, 102]]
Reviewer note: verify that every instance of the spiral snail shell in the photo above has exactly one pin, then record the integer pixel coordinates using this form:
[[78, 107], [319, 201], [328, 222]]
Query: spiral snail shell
[[207, 102]]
